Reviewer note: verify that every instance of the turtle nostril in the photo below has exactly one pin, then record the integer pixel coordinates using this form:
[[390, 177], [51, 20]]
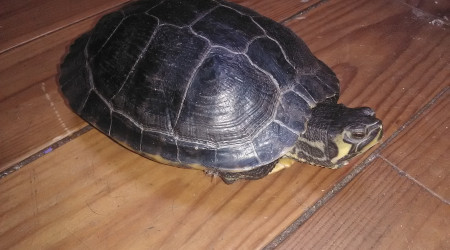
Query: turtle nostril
[[367, 111]]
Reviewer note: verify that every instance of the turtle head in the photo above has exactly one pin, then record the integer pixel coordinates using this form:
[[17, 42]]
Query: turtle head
[[336, 133]]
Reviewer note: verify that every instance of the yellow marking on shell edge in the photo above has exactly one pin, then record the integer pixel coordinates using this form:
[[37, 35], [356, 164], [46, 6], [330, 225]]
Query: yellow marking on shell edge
[[161, 160], [372, 143], [343, 148], [196, 166], [283, 163]]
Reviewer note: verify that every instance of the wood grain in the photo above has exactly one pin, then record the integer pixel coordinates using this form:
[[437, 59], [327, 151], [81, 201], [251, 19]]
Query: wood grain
[[31, 121], [380, 209], [422, 151], [94, 193], [437, 8], [277, 10], [22, 20]]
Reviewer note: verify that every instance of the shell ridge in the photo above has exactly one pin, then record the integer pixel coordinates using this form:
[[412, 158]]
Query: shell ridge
[[91, 83], [110, 122], [128, 118], [275, 41], [141, 55], [203, 37], [191, 78], [178, 150], [277, 85], [88, 66], [156, 5], [140, 140], [288, 128], [252, 41], [309, 99], [109, 37], [254, 151], [90, 77], [84, 102], [203, 15], [333, 92], [262, 129], [231, 8]]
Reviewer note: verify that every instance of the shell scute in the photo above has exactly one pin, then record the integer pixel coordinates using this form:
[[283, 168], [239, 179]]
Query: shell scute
[[97, 112], [293, 111], [268, 55], [295, 49], [113, 64], [196, 153], [238, 157], [156, 143], [125, 131], [103, 32], [228, 101], [228, 28], [187, 11], [153, 93], [273, 140]]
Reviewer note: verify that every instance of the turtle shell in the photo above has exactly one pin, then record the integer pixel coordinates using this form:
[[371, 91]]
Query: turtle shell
[[196, 83]]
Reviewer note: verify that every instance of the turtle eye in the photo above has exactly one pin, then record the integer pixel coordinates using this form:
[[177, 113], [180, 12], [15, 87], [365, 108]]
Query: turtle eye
[[358, 135]]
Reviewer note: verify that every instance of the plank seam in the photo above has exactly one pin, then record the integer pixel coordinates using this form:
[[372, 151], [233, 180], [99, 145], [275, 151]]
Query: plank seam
[[303, 11], [430, 17], [420, 184], [102, 12], [349, 177], [43, 152]]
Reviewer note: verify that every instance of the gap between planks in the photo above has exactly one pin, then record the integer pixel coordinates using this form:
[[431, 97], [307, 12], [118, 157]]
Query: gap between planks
[[105, 11], [414, 180], [303, 12], [44, 151], [358, 169]]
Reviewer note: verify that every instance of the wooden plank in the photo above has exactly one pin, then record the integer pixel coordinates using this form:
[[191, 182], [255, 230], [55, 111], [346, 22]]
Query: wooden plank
[[277, 10], [93, 193], [385, 56], [380, 209], [22, 21], [36, 62], [422, 151], [34, 120], [437, 8]]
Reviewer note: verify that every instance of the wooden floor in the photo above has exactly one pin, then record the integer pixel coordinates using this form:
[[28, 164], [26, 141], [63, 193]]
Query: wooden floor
[[64, 185]]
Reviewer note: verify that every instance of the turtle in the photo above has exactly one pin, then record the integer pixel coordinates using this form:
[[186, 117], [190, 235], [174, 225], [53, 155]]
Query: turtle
[[214, 86]]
